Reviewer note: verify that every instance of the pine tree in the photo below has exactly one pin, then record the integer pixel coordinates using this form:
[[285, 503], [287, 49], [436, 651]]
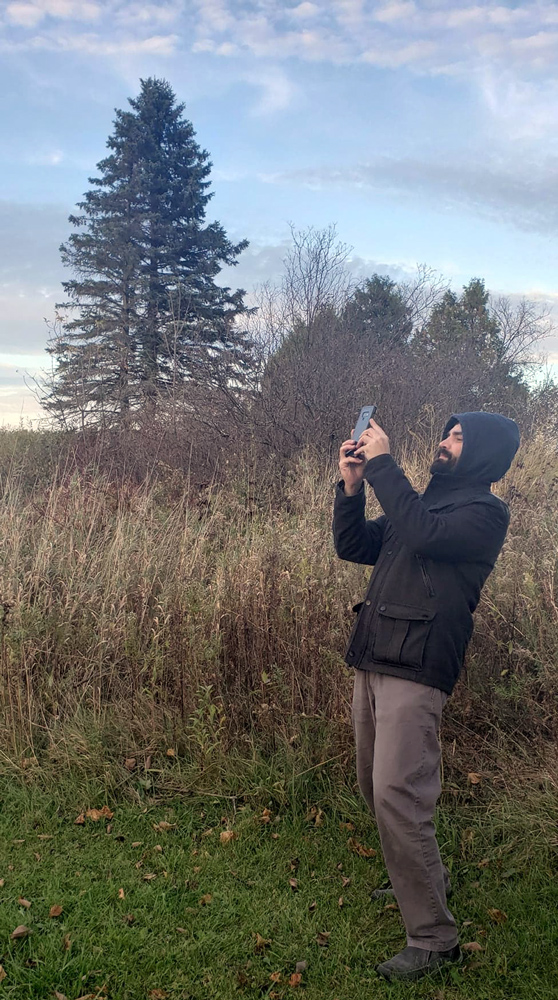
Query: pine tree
[[144, 314]]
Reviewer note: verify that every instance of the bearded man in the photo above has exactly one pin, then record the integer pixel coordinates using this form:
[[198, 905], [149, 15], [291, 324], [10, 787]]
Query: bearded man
[[431, 555]]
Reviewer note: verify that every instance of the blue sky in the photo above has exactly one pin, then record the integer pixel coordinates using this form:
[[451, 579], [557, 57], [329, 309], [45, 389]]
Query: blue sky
[[427, 131]]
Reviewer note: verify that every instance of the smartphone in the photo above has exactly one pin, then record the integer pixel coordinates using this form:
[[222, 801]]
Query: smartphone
[[364, 418]]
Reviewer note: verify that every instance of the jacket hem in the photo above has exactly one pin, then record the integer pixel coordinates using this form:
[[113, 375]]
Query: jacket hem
[[419, 677]]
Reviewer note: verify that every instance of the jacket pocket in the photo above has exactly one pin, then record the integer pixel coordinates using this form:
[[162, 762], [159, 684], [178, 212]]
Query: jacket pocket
[[400, 634]]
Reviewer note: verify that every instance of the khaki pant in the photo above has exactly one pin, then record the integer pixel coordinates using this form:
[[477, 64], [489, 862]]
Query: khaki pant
[[396, 724]]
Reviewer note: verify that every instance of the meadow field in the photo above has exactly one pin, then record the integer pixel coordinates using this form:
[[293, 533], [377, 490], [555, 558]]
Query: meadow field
[[171, 654]]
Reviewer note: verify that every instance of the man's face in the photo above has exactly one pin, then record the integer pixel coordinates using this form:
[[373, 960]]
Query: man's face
[[448, 451]]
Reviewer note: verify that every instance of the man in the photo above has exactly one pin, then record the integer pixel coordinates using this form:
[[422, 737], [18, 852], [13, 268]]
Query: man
[[431, 556]]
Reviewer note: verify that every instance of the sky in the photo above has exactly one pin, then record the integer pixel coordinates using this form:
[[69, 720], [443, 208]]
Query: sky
[[426, 131]]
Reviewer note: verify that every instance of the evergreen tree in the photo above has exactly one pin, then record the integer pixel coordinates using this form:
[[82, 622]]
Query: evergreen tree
[[144, 314]]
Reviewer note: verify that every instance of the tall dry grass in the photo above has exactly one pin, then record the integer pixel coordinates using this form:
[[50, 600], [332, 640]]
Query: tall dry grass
[[228, 610]]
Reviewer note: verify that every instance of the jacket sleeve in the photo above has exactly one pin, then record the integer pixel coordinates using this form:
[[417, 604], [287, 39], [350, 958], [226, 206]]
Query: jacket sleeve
[[355, 538], [465, 534]]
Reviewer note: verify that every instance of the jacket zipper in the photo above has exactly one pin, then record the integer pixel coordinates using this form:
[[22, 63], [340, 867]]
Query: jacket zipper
[[426, 578]]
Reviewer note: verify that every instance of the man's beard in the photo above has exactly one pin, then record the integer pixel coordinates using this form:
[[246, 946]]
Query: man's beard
[[443, 465]]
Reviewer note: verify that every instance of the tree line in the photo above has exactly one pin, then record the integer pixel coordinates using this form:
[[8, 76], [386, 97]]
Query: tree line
[[147, 336]]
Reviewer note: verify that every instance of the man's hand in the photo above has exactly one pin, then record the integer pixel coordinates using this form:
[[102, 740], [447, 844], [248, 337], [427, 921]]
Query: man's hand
[[373, 442], [352, 469]]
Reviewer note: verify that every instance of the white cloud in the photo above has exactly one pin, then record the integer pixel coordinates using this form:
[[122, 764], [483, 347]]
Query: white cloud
[[29, 14]]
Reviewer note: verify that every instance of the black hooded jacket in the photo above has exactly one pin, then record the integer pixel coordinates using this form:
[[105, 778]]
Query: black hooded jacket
[[431, 555]]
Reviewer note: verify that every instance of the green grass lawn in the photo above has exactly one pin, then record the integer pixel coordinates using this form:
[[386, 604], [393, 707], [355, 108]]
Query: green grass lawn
[[152, 913]]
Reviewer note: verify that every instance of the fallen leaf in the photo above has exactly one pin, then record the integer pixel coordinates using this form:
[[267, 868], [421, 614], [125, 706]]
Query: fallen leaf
[[391, 906], [261, 943], [347, 826], [80, 820], [275, 977], [275, 836], [157, 995], [346, 881], [130, 763], [473, 778], [363, 852], [293, 884], [498, 916], [129, 918], [484, 863], [340, 901], [158, 848], [181, 930], [109, 827], [472, 946], [294, 863], [467, 923], [301, 966], [45, 836], [323, 938], [3, 975], [149, 877], [55, 911], [226, 835], [24, 902], [20, 932], [2, 882], [66, 944], [148, 761], [121, 894], [36, 855], [295, 979], [163, 826], [171, 752], [137, 843], [97, 814], [205, 900], [18, 842], [60, 996], [266, 816], [313, 906]]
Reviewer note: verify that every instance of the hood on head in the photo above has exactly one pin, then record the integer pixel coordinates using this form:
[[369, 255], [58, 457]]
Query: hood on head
[[490, 442]]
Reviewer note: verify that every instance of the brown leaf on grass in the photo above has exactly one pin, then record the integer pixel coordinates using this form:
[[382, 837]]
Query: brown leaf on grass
[[3, 975], [346, 881], [261, 944], [96, 814], [472, 946], [391, 906], [148, 762], [157, 995], [313, 906], [275, 977], [59, 995], [275, 836], [226, 835], [121, 894], [293, 882], [340, 901], [67, 943], [55, 911], [484, 863], [171, 752], [149, 876], [295, 979], [24, 902], [130, 763], [20, 932], [163, 826], [45, 836], [323, 938], [80, 820], [158, 848], [205, 900], [2, 882], [266, 816], [137, 843], [18, 842], [347, 826], [129, 918], [360, 849], [473, 778], [315, 815], [498, 916]]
